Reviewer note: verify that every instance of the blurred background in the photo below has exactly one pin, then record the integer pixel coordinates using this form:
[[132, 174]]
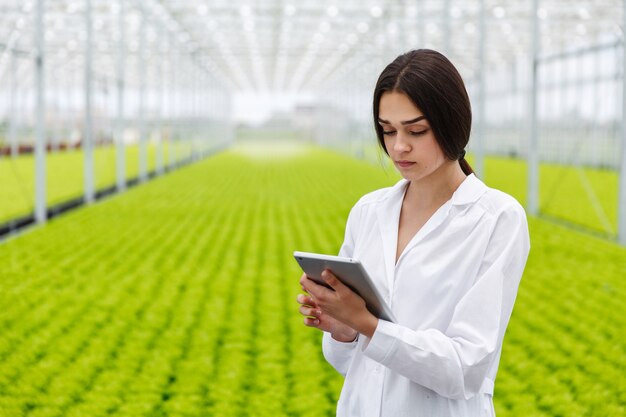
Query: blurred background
[[207, 126], [130, 89]]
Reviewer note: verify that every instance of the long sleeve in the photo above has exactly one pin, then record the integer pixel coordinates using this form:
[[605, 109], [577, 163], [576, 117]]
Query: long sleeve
[[455, 362], [339, 354]]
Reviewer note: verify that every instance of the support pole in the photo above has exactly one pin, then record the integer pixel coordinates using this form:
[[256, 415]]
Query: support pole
[[159, 105], [120, 158], [40, 145], [621, 208], [88, 128], [533, 144], [479, 164], [143, 151], [421, 39], [206, 140], [194, 110], [186, 108], [160, 99], [12, 134], [171, 54], [447, 34]]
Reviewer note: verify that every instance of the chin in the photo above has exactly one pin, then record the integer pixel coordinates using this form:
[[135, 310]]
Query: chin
[[415, 176], [411, 176]]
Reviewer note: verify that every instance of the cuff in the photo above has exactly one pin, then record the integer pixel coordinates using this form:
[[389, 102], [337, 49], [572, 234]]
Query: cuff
[[381, 346], [338, 346]]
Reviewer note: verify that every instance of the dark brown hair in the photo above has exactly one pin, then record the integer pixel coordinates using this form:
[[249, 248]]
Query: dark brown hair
[[434, 85]]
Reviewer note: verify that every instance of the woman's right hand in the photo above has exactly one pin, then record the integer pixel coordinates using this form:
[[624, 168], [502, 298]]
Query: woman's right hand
[[313, 317]]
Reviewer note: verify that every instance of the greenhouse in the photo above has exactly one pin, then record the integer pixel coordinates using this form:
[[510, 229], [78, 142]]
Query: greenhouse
[[161, 161]]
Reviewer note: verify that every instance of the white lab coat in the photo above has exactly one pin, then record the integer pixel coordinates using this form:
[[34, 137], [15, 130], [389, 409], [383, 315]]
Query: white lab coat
[[452, 292]]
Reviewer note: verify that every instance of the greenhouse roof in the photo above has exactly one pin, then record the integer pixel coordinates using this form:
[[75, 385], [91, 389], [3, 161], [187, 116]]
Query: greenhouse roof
[[293, 46]]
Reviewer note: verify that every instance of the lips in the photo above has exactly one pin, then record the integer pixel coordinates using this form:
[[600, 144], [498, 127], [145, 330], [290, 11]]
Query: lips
[[405, 164]]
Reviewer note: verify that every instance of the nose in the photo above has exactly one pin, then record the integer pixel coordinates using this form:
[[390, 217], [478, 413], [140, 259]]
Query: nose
[[401, 144]]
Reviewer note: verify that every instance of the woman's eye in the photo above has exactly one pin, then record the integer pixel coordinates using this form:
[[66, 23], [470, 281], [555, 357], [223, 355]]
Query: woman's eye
[[420, 133], [389, 133]]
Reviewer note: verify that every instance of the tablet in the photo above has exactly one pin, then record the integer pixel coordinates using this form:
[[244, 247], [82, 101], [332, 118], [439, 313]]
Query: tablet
[[350, 272]]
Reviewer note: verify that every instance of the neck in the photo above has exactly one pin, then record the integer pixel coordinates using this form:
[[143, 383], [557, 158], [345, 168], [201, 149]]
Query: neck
[[437, 188]]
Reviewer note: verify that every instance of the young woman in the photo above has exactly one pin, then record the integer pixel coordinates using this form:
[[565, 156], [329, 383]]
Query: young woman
[[446, 251]]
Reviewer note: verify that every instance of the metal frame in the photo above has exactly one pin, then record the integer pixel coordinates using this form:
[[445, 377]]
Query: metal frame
[[87, 139], [120, 159], [621, 209], [40, 144], [479, 139], [533, 155]]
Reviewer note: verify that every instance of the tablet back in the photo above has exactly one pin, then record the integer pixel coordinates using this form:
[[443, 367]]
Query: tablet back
[[349, 271]]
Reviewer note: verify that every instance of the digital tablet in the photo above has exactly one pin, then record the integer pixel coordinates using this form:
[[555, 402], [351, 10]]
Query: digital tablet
[[350, 272]]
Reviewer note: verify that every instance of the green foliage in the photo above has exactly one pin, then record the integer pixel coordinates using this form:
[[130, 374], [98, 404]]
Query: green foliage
[[177, 298], [581, 196], [64, 173]]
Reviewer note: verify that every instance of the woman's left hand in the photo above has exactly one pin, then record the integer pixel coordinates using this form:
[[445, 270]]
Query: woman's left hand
[[342, 304]]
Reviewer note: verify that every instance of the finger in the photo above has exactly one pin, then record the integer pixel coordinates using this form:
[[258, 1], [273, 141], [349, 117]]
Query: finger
[[316, 291], [310, 287], [310, 311], [311, 322], [303, 277], [304, 300], [332, 280]]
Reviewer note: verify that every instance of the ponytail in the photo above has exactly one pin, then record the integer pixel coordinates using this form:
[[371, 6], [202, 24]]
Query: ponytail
[[465, 166]]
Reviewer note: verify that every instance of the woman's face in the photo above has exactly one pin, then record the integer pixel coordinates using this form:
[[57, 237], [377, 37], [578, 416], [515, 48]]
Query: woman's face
[[409, 140]]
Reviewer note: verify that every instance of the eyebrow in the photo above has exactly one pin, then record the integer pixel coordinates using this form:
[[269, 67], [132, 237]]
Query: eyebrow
[[406, 122]]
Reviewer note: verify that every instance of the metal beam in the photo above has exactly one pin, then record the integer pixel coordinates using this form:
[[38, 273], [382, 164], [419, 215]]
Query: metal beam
[[120, 159], [87, 144], [621, 207], [40, 145], [12, 134], [141, 119], [163, 137], [160, 125], [172, 57], [447, 29], [195, 98], [421, 39], [206, 139], [533, 133], [480, 126]]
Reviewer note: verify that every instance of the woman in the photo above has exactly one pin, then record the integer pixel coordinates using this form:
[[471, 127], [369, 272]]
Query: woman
[[446, 251]]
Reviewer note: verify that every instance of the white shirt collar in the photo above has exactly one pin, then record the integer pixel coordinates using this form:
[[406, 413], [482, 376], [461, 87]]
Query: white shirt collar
[[468, 192]]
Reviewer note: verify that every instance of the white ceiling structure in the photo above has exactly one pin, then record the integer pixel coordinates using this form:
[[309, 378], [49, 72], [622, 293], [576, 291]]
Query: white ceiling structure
[[286, 45]]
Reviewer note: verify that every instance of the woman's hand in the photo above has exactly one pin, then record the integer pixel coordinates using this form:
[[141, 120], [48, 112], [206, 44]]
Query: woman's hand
[[342, 304], [314, 317]]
